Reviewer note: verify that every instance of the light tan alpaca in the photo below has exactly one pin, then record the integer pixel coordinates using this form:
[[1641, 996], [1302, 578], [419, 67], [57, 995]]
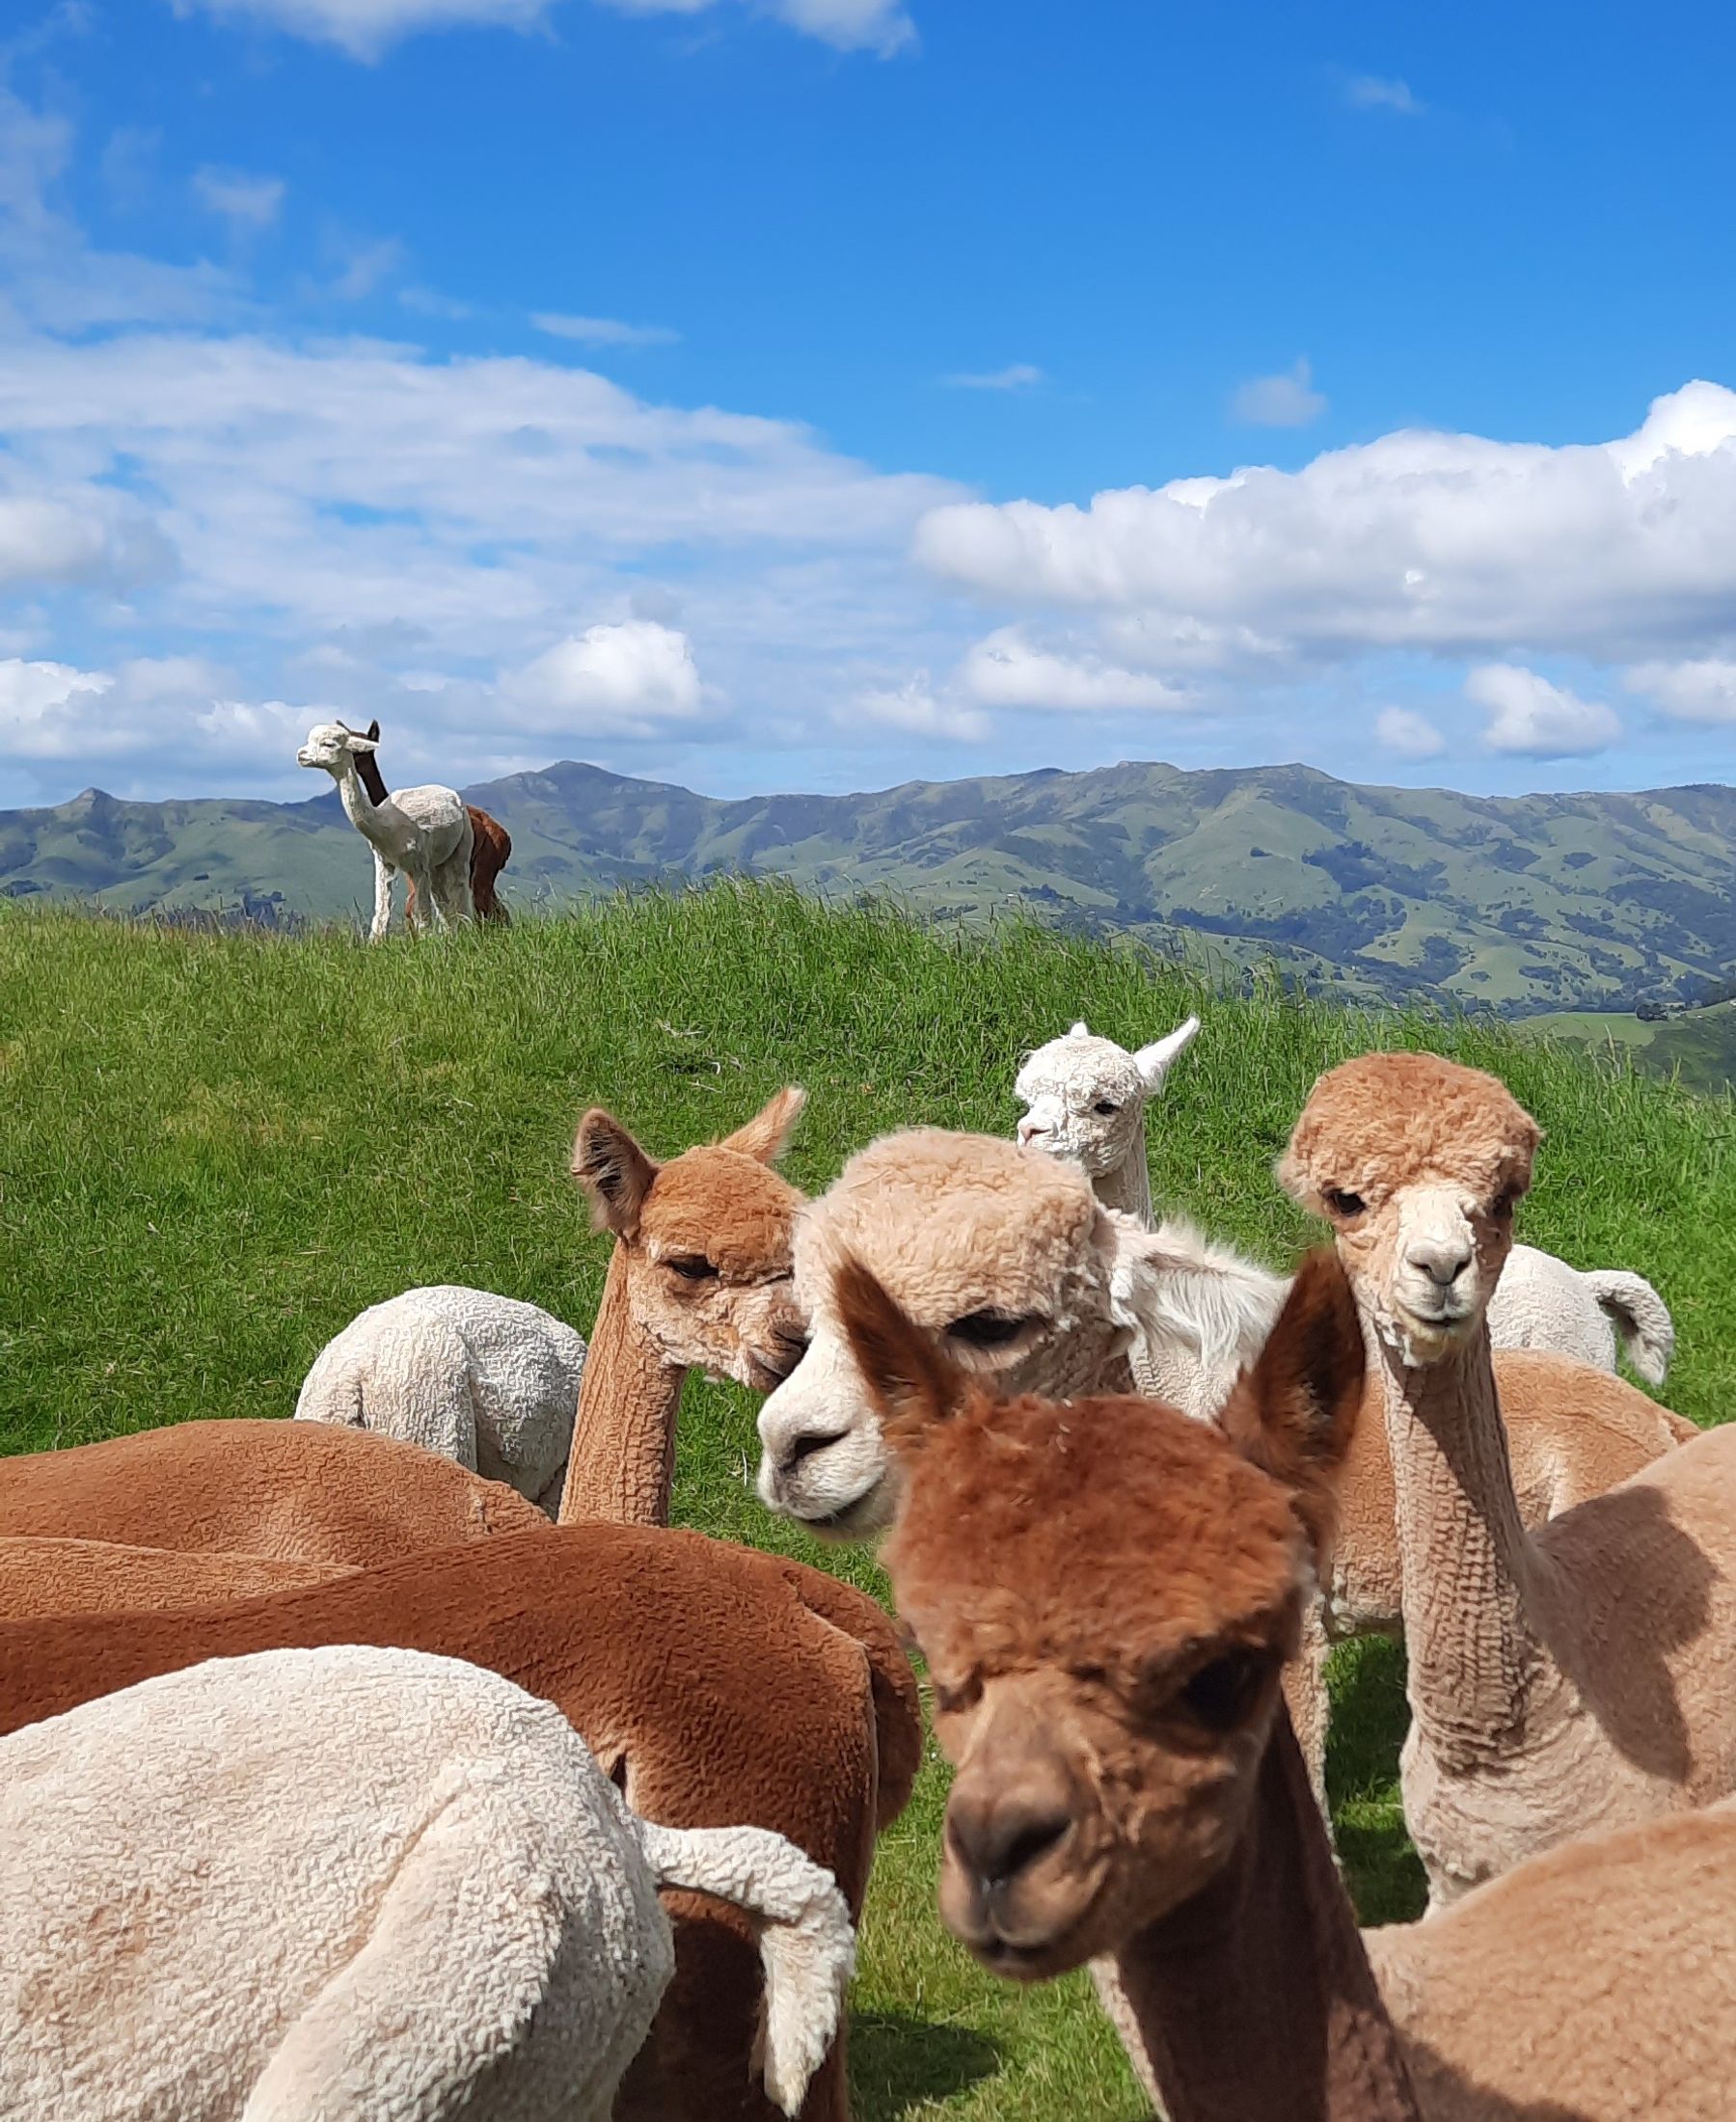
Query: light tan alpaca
[[1104, 1591], [700, 1278], [1566, 1679]]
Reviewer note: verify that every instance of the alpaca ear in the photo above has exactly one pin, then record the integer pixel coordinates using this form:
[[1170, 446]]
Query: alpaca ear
[[355, 742], [912, 1384], [614, 1170], [767, 1134], [373, 729], [1295, 1412], [1155, 1061]]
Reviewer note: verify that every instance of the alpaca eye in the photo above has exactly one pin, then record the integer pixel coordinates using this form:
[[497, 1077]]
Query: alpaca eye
[[693, 1268], [1346, 1203], [1105, 1107], [990, 1329], [1221, 1694]]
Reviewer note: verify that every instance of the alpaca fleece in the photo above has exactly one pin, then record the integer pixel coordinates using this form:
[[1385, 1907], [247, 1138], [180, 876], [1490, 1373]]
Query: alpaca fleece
[[51, 1576]]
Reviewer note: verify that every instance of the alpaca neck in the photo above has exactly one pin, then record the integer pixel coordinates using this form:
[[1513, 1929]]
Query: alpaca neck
[[1255, 2000], [367, 772], [357, 807], [1129, 1186], [1470, 1570], [622, 1465]]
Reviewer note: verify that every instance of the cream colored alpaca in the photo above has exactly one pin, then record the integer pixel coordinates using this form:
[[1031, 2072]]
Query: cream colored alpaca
[[423, 832], [1104, 1593], [1574, 1677]]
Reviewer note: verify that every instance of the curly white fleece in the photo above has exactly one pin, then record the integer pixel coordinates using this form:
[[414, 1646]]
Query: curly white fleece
[[483, 1379], [353, 1885]]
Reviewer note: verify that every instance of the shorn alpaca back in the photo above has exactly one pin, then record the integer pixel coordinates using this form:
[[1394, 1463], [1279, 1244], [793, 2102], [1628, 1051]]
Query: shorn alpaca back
[[363, 1885], [483, 1379]]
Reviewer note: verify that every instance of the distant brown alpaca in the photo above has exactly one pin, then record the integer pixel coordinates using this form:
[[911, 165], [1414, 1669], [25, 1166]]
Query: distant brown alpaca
[[715, 1683], [491, 844], [1105, 1591]]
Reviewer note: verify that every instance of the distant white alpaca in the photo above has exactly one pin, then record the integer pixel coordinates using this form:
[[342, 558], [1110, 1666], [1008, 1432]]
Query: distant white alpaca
[[426, 831], [483, 1379], [362, 1885], [1087, 1097]]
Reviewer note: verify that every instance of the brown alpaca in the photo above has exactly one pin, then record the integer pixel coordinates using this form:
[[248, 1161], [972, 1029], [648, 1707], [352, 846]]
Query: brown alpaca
[[491, 844], [298, 1491], [41, 1577], [699, 1279], [1105, 1591], [713, 1682], [1577, 1677]]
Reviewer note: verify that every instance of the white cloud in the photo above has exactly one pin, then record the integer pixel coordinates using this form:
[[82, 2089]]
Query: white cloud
[[366, 265], [1004, 670], [1369, 91], [603, 331], [628, 678], [366, 29], [915, 708], [1285, 401], [1021, 375], [1702, 691], [1412, 736], [1437, 543], [1532, 718], [92, 538], [246, 202], [43, 709]]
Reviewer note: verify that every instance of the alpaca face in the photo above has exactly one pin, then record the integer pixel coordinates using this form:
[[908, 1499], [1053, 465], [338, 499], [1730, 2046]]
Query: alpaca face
[[1418, 1164], [1085, 1096], [330, 745], [1002, 1253]]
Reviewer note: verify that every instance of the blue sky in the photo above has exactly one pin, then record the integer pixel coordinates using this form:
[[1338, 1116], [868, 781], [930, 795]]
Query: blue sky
[[795, 394]]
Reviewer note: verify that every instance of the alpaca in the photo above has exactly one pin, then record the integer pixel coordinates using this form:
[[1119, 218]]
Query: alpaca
[[60, 1577], [1087, 1097], [1104, 1592], [483, 1379], [292, 1492], [424, 832], [711, 1682], [1574, 1676], [491, 844], [416, 1896], [699, 1279]]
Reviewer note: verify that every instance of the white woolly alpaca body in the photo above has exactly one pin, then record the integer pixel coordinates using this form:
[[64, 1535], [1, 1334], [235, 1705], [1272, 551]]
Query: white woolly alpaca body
[[1541, 1302], [483, 1379], [423, 832], [362, 1886]]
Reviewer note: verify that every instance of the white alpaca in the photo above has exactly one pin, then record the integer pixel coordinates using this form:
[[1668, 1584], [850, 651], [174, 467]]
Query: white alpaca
[[426, 831], [483, 1379], [362, 1886], [1087, 1097]]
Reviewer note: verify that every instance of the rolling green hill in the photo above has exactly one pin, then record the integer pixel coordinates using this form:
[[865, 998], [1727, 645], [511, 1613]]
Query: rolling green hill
[[1516, 904]]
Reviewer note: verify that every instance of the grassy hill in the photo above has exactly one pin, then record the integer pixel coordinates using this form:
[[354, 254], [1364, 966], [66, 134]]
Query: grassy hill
[[1699, 1046], [214, 1150], [1511, 903]]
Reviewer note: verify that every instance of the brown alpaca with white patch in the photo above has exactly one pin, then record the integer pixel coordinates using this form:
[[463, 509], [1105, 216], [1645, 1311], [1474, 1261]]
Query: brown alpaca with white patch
[[1105, 1591], [1573, 1678], [699, 1279]]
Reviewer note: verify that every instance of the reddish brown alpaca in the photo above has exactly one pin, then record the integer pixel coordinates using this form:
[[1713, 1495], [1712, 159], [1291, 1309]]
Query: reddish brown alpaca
[[715, 1683], [491, 844]]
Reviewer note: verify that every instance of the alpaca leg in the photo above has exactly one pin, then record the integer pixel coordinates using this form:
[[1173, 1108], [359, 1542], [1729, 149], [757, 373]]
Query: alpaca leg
[[1304, 1696], [430, 897], [382, 913], [475, 1991]]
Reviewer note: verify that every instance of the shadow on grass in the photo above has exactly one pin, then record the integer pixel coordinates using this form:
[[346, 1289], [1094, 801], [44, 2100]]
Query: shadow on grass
[[1369, 1718], [897, 2062]]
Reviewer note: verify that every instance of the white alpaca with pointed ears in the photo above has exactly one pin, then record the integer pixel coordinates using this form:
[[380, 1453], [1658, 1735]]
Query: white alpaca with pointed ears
[[422, 832], [1085, 1099]]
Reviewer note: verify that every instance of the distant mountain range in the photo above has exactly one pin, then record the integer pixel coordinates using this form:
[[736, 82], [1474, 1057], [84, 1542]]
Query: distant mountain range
[[1522, 904]]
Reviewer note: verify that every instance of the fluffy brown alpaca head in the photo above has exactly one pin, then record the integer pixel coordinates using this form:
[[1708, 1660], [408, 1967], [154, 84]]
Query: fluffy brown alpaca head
[[1419, 1164], [703, 1243], [1106, 1590]]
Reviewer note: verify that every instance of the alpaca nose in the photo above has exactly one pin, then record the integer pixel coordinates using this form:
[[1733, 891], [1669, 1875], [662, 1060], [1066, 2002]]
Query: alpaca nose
[[803, 1447], [1443, 1260], [1029, 1130], [996, 1839]]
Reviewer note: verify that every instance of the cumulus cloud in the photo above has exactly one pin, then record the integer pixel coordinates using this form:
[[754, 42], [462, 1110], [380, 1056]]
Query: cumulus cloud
[[248, 203], [1700, 691], [603, 331], [1021, 375], [1532, 718], [1005, 670], [1370, 91], [40, 710], [1285, 401], [1408, 734], [623, 678], [918, 709]]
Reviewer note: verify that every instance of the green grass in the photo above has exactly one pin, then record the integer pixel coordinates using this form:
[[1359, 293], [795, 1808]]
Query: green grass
[[215, 1150]]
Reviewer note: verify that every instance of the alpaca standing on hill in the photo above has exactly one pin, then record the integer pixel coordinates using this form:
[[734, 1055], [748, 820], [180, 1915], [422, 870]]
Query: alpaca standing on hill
[[491, 845], [424, 832]]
